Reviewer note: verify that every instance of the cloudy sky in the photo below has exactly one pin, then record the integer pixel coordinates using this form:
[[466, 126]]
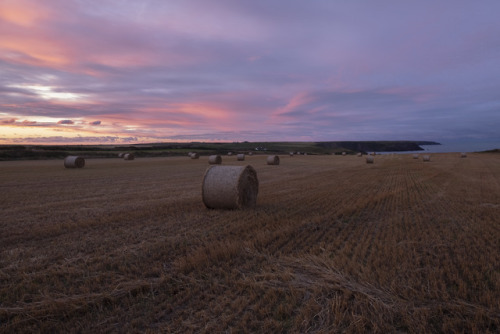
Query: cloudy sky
[[128, 71]]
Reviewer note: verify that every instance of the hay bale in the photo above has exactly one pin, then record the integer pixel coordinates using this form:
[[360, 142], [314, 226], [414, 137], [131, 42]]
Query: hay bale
[[369, 159], [120, 155], [463, 155], [240, 157], [73, 161], [195, 156], [360, 154], [128, 156], [415, 156], [426, 158], [373, 153], [230, 187], [273, 160], [250, 153], [291, 154], [214, 160], [344, 153], [229, 153]]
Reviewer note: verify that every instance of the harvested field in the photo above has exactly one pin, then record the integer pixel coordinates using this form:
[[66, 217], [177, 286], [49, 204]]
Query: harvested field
[[334, 245]]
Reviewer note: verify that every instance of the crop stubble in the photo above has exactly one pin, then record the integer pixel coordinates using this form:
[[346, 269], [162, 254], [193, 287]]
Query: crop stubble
[[333, 245]]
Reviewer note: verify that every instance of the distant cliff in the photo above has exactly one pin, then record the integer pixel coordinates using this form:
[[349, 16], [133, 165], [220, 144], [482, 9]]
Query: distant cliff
[[376, 146]]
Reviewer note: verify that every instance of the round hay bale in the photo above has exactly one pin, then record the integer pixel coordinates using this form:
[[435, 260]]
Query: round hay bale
[[291, 154], [73, 161], [128, 156], [250, 153], [463, 155], [229, 153], [373, 153], [273, 160], [214, 160], [120, 155], [415, 156], [369, 159], [240, 157], [344, 153], [230, 187], [360, 154], [426, 158], [195, 156]]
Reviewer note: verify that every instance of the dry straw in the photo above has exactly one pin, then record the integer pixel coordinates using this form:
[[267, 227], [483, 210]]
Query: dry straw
[[344, 153], [195, 156], [463, 155], [291, 154], [230, 187], [360, 154], [120, 155], [426, 158], [72, 161], [214, 160], [369, 159], [229, 153], [415, 156], [240, 157], [273, 160], [128, 156]]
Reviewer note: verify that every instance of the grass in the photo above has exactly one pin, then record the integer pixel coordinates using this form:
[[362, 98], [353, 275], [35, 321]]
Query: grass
[[334, 245]]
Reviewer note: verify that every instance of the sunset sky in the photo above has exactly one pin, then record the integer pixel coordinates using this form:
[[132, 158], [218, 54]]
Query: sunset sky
[[119, 71]]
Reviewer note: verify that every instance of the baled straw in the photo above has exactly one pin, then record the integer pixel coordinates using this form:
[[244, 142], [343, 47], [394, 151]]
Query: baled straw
[[120, 155], [240, 157], [291, 154], [230, 187], [463, 155], [344, 153], [360, 154], [273, 160], [369, 159], [129, 156], [214, 160], [229, 153], [73, 161], [426, 158], [415, 156], [195, 156]]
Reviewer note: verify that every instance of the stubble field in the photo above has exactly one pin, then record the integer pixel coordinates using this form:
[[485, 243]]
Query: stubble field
[[334, 245]]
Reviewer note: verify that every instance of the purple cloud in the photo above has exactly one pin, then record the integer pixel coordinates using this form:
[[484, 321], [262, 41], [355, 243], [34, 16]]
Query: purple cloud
[[281, 70]]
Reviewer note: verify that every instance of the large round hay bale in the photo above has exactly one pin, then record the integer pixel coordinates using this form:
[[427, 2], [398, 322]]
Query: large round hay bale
[[120, 155], [273, 160], [215, 160], [240, 157], [128, 156], [291, 154], [369, 159], [360, 154], [230, 187], [463, 155], [73, 161], [415, 156], [229, 153], [344, 153], [426, 158], [195, 156]]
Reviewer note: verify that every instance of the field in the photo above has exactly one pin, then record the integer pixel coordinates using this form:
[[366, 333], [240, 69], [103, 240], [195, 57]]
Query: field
[[334, 245]]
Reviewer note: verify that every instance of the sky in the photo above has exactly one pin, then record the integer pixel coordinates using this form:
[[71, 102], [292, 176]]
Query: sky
[[128, 71]]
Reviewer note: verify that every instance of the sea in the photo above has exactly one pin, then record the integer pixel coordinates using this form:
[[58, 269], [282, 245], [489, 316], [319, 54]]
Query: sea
[[467, 146]]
